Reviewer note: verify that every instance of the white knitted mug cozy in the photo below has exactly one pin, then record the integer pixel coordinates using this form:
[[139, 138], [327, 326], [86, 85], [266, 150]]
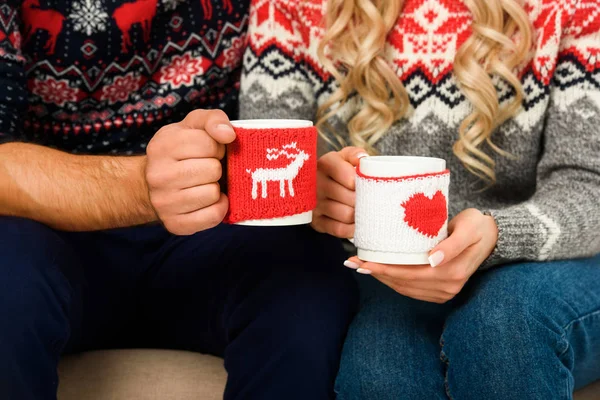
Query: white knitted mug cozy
[[401, 208]]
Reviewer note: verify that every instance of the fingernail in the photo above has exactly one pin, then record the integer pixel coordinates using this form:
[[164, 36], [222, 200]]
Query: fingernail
[[225, 127], [364, 271], [436, 258], [351, 264], [362, 155]]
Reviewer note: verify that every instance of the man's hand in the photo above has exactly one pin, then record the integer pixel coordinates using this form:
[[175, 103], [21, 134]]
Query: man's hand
[[183, 170], [472, 238]]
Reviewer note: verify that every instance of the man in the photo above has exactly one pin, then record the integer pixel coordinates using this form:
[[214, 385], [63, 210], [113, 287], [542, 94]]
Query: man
[[106, 131]]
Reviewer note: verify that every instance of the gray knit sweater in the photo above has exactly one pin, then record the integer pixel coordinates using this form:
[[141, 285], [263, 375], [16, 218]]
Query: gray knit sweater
[[546, 201]]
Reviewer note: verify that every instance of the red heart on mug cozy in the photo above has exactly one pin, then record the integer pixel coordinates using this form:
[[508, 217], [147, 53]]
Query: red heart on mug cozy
[[426, 215]]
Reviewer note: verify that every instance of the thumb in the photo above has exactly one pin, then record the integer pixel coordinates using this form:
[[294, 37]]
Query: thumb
[[460, 238], [352, 154], [214, 122]]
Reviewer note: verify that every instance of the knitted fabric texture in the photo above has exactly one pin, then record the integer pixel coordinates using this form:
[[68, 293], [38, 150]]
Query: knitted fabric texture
[[546, 201], [101, 77], [406, 215], [271, 173]]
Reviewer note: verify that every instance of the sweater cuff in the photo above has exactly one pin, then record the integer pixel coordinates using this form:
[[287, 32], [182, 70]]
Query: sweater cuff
[[519, 236]]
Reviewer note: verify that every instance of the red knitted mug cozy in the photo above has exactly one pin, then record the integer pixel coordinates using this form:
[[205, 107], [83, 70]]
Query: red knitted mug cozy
[[271, 173]]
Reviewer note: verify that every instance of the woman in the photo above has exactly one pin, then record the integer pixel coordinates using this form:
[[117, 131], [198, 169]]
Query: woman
[[509, 94]]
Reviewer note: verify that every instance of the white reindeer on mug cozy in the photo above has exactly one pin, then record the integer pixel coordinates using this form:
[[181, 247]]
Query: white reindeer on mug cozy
[[281, 175]]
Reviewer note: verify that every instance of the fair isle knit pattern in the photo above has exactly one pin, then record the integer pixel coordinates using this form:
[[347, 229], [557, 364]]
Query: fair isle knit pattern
[[401, 215], [546, 202], [102, 76]]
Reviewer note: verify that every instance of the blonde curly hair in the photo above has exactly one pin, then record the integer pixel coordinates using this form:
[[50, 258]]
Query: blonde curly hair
[[353, 51]]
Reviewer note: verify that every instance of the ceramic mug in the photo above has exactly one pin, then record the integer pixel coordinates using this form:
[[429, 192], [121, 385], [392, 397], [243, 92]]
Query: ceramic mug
[[272, 172], [401, 208]]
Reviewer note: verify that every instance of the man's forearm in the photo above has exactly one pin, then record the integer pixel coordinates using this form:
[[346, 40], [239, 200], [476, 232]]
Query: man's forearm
[[71, 192]]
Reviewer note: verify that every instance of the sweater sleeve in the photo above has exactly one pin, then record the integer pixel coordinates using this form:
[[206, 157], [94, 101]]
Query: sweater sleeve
[[13, 92], [277, 82], [562, 219]]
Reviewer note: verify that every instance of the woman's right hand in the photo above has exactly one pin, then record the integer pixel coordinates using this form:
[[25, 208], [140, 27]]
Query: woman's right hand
[[335, 192]]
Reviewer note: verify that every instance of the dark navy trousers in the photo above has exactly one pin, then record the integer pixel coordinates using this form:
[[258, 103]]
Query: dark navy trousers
[[274, 302]]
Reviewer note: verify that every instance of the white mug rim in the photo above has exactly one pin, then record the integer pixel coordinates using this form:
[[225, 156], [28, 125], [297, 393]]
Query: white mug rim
[[271, 123], [401, 159], [399, 166]]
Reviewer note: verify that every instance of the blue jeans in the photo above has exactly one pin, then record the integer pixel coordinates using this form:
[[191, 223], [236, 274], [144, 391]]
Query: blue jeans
[[522, 331], [274, 302]]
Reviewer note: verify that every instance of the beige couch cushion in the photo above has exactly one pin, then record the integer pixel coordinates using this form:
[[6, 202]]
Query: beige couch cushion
[[591, 392], [141, 375], [158, 375]]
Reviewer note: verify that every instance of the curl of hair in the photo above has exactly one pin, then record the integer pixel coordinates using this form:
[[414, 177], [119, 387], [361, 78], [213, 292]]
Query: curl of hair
[[353, 51]]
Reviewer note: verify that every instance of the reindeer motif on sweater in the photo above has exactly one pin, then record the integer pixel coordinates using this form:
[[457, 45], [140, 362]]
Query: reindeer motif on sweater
[[281, 175]]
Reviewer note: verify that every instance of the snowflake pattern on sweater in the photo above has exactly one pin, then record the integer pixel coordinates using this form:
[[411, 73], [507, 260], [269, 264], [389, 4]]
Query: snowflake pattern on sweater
[[546, 201], [422, 47], [89, 16], [102, 76]]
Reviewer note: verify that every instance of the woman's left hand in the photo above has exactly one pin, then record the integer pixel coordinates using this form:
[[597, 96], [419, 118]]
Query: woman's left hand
[[472, 237]]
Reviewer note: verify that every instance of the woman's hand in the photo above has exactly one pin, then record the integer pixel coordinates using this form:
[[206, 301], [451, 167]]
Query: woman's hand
[[335, 192], [472, 238]]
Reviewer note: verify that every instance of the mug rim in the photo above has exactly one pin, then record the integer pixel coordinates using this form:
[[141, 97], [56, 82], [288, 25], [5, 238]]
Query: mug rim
[[401, 159], [400, 166], [271, 123]]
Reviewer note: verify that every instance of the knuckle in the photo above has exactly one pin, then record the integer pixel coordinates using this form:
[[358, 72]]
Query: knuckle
[[474, 217], [217, 114], [348, 214], [168, 224], [327, 192], [318, 211], [315, 224], [161, 138], [324, 159], [337, 229], [350, 179], [175, 226], [214, 217], [397, 288], [452, 289], [160, 203], [450, 296], [194, 113], [153, 149], [154, 178], [219, 150], [329, 210], [214, 169], [213, 193], [341, 230], [458, 276]]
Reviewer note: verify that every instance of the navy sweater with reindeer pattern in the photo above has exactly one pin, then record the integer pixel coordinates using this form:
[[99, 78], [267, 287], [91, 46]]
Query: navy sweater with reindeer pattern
[[102, 76]]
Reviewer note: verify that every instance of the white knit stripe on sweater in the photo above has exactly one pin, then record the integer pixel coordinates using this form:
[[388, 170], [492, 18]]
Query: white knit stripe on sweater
[[451, 115], [276, 87], [532, 89], [551, 231], [564, 98]]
